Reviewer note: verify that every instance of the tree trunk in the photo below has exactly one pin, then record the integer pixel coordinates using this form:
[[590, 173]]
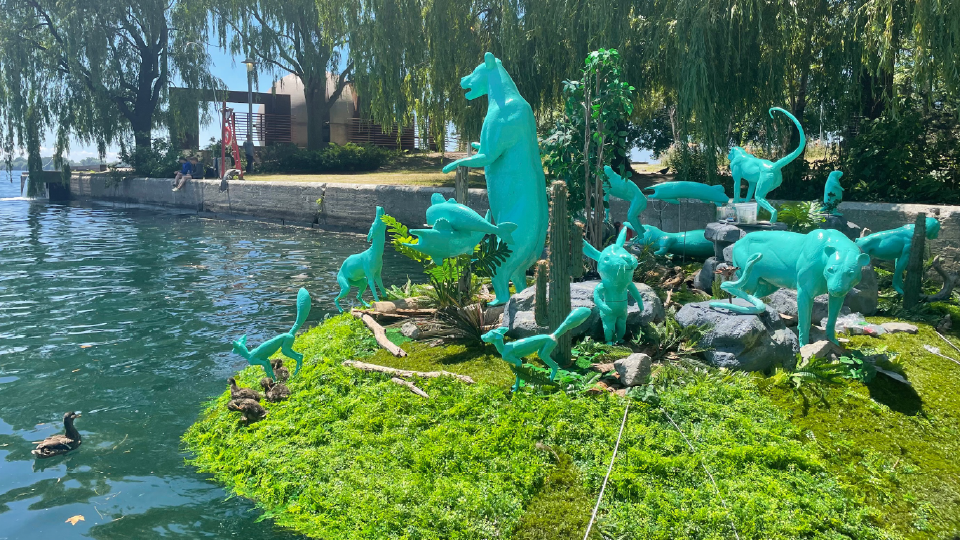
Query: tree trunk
[[318, 110], [914, 280]]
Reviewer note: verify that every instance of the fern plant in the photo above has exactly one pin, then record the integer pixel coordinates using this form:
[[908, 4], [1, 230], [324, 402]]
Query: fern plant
[[489, 255], [801, 217], [670, 341]]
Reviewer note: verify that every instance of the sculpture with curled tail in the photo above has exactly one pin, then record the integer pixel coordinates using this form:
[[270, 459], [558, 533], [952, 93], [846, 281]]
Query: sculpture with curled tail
[[622, 188], [762, 175], [615, 265], [894, 245], [822, 261], [363, 269], [284, 342], [509, 152]]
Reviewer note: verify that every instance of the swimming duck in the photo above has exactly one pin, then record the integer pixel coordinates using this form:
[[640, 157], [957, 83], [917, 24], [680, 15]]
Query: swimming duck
[[242, 393], [57, 445], [281, 372], [274, 391], [250, 410]]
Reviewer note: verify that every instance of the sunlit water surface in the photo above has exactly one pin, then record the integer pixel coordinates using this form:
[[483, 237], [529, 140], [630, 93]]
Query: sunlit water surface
[[127, 316]]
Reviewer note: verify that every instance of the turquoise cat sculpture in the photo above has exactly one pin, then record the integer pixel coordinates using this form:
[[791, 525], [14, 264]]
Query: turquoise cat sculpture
[[542, 344], [689, 243], [363, 269], [615, 265], [622, 188], [283, 343], [672, 192], [509, 153], [456, 230], [832, 193], [822, 261], [762, 175], [894, 245]]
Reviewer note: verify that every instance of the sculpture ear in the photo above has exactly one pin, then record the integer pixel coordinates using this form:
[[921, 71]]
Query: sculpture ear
[[436, 198], [490, 60], [863, 259], [590, 251], [622, 237]]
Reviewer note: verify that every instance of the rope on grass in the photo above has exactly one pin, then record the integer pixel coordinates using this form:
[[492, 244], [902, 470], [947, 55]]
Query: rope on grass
[[948, 343], [709, 474], [609, 470]]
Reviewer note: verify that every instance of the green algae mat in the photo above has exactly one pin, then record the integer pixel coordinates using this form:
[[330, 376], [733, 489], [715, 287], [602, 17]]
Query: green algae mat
[[351, 455]]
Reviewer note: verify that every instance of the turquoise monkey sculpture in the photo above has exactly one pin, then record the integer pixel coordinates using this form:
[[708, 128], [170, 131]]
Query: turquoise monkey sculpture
[[510, 155], [822, 261], [542, 344], [456, 230], [622, 188], [832, 194], [363, 269], [894, 245], [689, 243], [615, 265], [762, 175], [283, 343], [672, 192]]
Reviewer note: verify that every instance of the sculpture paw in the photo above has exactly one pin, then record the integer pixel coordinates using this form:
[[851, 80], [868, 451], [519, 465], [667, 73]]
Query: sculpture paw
[[496, 302], [450, 167], [553, 373]]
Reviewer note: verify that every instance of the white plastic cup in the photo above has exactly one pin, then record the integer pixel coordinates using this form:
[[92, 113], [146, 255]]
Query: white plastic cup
[[746, 213]]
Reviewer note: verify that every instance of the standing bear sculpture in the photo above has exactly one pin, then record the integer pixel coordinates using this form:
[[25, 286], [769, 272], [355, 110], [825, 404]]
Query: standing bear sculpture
[[363, 269], [510, 155], [615, 265]]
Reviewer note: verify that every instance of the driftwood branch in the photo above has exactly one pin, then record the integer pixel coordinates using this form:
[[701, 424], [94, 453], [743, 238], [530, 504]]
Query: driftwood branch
[[412, 387], [949, 282], [405, 373], [379, 333]]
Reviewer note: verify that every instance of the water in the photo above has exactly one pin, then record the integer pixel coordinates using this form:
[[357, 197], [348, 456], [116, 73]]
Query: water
[[127, 316]]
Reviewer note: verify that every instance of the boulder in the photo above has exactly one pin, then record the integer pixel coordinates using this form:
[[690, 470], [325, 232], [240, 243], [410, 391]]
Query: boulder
[[728, 254], [634, 370], [896, 327], [861, 299], [850, 229], [703, 279], [820, 349], [722, 231], [410, 330], [518, 312], [745, 342]]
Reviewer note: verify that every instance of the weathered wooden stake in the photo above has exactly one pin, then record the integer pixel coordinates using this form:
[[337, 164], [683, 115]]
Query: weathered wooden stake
[[552, 300], [914, 279]]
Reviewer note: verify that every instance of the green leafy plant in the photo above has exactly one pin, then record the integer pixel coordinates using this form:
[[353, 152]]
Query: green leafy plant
[[817, 369], [801, 217], [489, 255], [350, 157], [156, 161], [668, 341]]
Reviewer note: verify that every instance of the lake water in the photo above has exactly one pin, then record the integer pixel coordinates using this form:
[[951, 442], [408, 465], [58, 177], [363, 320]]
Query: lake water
[[127, 316]]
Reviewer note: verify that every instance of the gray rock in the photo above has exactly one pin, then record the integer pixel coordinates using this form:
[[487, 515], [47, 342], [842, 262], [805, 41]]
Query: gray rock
[[894, 327], [861, 299], [850, 229], [820, 349], [728, 254], [634, 370], [745, 342], [518, 312], [704, 278], [410, 330], [722, 231]]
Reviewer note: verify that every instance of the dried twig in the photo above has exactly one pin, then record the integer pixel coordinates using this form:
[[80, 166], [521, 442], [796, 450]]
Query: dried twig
[[406, 373], [379, 333], [413, 388]]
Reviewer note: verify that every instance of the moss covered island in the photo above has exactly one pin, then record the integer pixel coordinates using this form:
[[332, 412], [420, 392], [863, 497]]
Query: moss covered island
[[353, 456]]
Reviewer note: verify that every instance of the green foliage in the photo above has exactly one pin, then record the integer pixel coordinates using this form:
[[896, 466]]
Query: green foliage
[[489, 255], [693, 164], [817, 370], [801, 217], [589, 352], [156, 161], [288, 158], [669, 341]]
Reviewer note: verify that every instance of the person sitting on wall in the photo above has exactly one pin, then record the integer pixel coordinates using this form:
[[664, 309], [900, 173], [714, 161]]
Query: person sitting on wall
[[184, 169], [193, 170]]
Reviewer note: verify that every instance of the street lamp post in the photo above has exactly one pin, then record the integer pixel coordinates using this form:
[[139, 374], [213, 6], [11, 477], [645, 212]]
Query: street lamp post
[[248, 145]]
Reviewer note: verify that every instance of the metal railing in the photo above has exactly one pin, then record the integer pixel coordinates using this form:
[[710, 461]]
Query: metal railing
[[267, 128]]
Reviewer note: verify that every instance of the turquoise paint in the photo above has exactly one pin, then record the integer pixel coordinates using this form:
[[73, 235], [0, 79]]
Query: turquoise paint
[[629, 191], [672, 192], [833, 192], [456, 230], [690, 243], [364, 269], [283, 342], [615, 265], [894, 245]]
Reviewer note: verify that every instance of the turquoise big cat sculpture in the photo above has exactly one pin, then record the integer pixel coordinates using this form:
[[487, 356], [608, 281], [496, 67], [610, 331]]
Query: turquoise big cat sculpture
[[510, 155], [894, 245], [822, 261], [690, 243], [456, 230], [615, 266], [363, 269]]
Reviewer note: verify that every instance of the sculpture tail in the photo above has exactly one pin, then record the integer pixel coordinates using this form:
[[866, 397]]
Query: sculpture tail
[[573, 320], [782, 162], [505, 231], [303, 309]]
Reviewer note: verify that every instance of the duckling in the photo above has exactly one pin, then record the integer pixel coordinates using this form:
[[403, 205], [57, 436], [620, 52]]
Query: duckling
[[281, 372], [57, 445], [250, 410], [242, 393], [274, 391]]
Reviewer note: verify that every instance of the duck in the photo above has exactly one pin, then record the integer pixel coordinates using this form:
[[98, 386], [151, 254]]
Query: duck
[[57, 445], [250, 410], [274, 391], [281, 372], [242, 393]]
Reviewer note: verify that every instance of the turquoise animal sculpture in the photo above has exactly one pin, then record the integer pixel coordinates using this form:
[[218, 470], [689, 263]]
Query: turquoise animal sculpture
[[283, 343], [894, 245], [510, 155], [363, 269], [672, 192], [689, 243], [615, 265], [542, 344], [832, 193], [456, 230], [762, 175], [822, 261], [624, 189]]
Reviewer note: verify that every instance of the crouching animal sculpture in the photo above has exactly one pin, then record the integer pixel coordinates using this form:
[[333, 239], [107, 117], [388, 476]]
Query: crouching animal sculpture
[[690, 243], [284, 342], [616, 266], [624, 189], [457, 230], [822, 261], [894, 245], [672, 192], [362, 269], [542, 344]]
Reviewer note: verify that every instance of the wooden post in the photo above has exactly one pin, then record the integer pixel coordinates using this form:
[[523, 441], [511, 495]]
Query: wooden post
[[914, 279], [461, 192]]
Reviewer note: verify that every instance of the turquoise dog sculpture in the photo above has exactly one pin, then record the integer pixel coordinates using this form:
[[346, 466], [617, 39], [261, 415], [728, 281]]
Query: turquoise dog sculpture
[[832, 193], [542, 344], [672, 192], [822, 261], [510, 155], [456, 230], [690, 243], [284, 342], [624, 189], [615, 265], [363, 269], [762, 175], [894, 245]]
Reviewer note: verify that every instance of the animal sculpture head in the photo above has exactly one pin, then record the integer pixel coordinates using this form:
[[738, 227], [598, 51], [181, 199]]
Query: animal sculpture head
[[841, 267], [377, 226], [476, 83], [616, 264], [933, 228], [737, 152], [651, 235], [495, 335], [240, 346]]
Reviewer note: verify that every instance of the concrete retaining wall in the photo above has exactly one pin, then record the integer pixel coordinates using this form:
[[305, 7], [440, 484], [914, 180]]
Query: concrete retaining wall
[[350, 206]]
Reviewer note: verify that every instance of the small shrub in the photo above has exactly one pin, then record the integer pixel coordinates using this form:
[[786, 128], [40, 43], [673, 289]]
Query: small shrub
[[158, 161], [288, 158]]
